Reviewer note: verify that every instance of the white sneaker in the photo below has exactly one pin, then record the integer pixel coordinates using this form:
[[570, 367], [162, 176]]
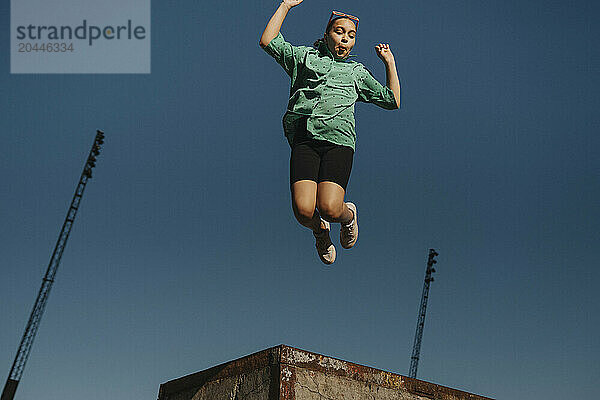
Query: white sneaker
[[325, 248], [349, 232]]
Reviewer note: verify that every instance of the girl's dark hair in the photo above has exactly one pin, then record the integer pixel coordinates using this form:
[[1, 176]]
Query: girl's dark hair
[[320, 40]]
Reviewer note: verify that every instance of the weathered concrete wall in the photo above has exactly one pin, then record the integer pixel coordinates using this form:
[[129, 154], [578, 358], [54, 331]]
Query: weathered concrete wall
[[254, 377], [311, 385], [251, 386], [286, 373]]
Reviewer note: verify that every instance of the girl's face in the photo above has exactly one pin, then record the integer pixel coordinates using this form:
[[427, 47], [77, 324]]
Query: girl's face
[[341, 37]]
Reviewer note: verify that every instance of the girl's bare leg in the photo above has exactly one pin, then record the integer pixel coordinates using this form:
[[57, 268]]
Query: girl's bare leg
[[304, 200], [330, 202]]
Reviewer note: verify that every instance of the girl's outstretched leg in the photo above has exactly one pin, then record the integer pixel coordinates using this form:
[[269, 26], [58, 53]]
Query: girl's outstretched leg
[[304, 198], [330, 202]]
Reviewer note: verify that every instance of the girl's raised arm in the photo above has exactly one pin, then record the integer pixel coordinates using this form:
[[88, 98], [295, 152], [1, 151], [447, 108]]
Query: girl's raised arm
[[385, 54], [276, 20]]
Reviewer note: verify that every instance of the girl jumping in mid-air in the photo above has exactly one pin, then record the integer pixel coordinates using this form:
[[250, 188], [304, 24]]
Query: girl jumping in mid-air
[[319, 121]]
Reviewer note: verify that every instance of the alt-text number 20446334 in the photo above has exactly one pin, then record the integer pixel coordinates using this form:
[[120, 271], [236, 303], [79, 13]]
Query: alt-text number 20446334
[[62, 47]]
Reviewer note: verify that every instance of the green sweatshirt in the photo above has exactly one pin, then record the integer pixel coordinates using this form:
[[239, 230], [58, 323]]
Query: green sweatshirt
[[324, 90]]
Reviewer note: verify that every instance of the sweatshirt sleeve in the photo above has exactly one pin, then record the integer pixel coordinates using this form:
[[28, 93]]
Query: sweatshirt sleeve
[[371, 91], [285, 54]]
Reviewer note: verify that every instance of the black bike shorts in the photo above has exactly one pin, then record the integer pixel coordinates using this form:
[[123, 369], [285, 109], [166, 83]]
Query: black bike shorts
[[319, 161]]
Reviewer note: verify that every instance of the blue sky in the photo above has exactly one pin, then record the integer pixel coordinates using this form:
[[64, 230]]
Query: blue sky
[[185, 253]]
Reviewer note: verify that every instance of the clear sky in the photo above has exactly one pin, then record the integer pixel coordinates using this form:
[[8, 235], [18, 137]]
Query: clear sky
[[185, 252]]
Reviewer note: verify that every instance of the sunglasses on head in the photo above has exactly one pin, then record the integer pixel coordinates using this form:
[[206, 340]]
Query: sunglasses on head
[[337, 14]]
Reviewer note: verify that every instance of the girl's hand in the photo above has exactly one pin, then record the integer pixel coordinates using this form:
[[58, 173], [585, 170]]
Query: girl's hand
[[384, 53], [291, 3]]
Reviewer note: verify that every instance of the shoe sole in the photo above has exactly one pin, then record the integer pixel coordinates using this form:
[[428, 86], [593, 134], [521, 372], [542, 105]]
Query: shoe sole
[[328, 262]]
